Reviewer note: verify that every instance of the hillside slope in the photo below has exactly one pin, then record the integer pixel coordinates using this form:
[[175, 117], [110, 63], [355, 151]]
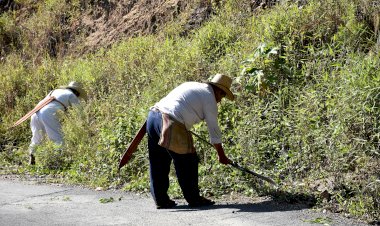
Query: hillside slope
[[86, 26]]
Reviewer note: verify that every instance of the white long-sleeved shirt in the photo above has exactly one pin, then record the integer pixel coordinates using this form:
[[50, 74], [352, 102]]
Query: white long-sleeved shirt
[[46, 120], [191, 103], [64, 96]]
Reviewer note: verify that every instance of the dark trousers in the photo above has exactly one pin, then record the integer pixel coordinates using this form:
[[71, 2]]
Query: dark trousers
[[186, 165]]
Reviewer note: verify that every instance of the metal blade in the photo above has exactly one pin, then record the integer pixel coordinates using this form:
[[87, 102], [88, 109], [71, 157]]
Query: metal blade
[[236, 165]]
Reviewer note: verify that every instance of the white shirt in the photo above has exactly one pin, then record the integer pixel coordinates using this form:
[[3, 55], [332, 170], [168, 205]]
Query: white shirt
[[191, 103], [46, 120], [65, 96]]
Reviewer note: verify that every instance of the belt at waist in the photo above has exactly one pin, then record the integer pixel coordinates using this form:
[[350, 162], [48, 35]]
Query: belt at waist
[[155, 109]]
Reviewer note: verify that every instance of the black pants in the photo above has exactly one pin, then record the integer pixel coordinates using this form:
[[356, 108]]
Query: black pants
[[186, 165]]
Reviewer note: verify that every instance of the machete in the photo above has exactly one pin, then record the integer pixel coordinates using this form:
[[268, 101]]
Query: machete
[[237, 166], [132, 146]]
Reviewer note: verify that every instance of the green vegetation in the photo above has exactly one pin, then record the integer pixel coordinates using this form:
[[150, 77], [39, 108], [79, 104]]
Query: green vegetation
[[320, 220], [307, 82], [66, 198], [106, 200]]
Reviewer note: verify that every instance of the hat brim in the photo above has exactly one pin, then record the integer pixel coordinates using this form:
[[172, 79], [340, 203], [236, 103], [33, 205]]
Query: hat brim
[[82, 92], [228, 92]]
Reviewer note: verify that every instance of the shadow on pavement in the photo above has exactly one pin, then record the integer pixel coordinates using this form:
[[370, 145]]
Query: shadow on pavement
[[280, 201]]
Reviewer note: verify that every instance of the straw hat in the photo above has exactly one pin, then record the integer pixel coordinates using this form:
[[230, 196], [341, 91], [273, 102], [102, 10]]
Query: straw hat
[[77, 86], [223, 82]]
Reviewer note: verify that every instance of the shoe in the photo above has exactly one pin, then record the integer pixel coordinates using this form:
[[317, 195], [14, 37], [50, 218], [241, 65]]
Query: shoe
[[32, 159], [167, 205], [201, 201]]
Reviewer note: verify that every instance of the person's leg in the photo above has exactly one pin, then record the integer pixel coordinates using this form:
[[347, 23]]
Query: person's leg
[[49, 119], [38, 132], [186, 166], [160, 161], [52, 125]]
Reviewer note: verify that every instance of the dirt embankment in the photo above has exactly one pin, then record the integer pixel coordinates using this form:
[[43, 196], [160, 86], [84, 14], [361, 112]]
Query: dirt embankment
[[99, 24], [109, 22]]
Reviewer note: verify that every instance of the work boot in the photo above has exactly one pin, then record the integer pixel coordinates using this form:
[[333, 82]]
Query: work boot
[[166, 205], [32, 159], [201, 201]]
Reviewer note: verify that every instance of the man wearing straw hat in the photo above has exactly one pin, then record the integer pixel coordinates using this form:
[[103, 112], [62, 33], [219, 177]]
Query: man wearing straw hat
[[45, 121], [169, 138]]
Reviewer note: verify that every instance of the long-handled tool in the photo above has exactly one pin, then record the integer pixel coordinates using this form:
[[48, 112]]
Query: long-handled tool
[[237, 166], [267, 179], [34, 110], [132, 146]]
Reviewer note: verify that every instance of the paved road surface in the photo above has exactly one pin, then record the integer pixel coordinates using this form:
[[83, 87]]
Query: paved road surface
[[30, 203]]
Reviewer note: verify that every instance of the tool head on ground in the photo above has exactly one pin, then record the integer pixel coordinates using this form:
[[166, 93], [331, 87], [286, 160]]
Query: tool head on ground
[[267, 179], [236, 165]]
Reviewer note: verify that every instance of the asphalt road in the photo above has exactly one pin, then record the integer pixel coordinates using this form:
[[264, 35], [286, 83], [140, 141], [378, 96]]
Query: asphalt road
[[30, 203]]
